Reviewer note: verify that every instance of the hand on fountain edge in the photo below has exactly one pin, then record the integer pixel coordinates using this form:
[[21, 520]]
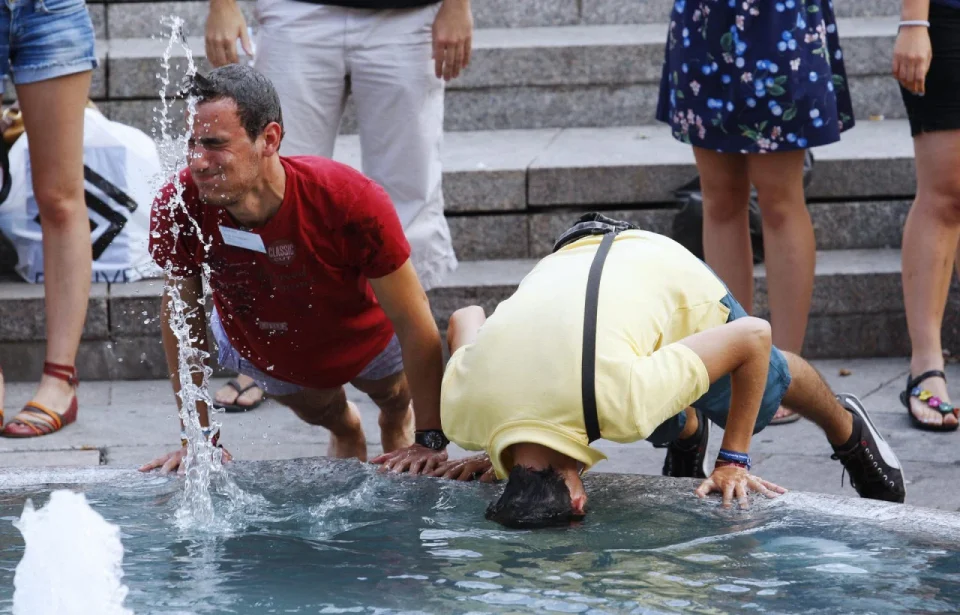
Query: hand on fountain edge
[[414, 459], [476, 467], [173, 461], [734, 481]]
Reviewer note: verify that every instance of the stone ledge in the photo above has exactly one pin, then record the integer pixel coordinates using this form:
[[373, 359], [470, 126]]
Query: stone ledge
[[536, 107], [509, 57], [645, 164], [24, 318], [140, 18]]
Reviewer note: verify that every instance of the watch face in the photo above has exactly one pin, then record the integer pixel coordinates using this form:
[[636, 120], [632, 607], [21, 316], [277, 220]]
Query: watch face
[[431, 439]]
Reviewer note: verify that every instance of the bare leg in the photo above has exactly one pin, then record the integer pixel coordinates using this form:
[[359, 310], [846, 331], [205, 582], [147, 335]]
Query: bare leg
[[53, 119], [788, 232], [329, 408], [930, 240], [726, 224], [464, 325], [792, 253], [392, 396], [810, 397], [690, 427]]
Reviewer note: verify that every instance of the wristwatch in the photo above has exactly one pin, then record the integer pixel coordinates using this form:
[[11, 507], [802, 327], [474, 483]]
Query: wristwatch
[[432, 439]]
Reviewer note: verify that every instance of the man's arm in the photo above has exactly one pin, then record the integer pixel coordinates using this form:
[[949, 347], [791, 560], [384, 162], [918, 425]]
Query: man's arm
[[406, 304], [190, 291], [742, 349]]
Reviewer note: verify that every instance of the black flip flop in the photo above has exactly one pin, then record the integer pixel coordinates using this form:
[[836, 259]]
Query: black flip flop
[[913, 390], [233, 384]]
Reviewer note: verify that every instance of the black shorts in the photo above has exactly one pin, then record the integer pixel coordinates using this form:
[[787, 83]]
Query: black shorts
[[939, 108]]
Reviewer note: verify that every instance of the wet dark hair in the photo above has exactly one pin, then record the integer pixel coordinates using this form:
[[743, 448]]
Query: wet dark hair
[[533, 499], [257, 100]]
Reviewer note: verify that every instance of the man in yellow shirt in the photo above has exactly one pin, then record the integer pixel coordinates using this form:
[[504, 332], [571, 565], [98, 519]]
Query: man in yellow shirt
[[625, 335]]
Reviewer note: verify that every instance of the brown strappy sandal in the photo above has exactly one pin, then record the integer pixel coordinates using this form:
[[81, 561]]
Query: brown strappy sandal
[[36, 420]]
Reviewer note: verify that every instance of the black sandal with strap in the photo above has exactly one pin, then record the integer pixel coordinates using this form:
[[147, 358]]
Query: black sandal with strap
[[236, 406], [932, 401]]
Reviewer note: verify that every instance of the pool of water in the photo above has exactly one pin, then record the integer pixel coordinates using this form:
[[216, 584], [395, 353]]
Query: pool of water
[[337, 537]]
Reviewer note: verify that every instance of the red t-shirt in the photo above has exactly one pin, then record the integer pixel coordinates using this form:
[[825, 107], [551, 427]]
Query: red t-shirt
[[304, 312]]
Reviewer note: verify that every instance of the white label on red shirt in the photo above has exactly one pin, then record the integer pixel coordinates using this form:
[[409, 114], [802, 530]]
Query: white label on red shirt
[[242, 239]]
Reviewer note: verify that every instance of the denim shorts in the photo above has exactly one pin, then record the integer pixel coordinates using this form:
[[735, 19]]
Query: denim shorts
[[715, 403], [388, 363], [45, 39]]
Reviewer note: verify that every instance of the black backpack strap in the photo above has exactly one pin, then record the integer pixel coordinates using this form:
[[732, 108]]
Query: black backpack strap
[[589, 368]]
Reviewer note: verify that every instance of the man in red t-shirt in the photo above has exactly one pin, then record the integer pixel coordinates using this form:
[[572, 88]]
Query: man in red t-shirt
[[310, 275]]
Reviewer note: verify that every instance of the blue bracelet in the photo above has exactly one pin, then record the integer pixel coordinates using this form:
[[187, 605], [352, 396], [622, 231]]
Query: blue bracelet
[[734, 457]]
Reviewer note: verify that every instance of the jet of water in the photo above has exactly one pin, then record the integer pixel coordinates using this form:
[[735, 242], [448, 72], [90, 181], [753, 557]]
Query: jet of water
[[205, 474], [72, 564]]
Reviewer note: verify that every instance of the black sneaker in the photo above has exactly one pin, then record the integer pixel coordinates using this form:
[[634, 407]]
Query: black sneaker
[[689, 460], [874, 469]]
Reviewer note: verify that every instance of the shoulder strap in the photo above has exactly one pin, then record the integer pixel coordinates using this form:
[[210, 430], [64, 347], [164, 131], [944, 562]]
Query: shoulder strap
[[589, 367]]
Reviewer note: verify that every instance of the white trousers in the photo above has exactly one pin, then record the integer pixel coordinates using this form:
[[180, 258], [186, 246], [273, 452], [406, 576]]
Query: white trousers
[[310, 50]]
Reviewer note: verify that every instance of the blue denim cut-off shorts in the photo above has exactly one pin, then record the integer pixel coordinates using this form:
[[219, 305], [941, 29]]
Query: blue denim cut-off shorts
[[45, 39], [715, 403]]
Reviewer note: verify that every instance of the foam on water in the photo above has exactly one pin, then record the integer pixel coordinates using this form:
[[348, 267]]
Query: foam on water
[[72, 563]]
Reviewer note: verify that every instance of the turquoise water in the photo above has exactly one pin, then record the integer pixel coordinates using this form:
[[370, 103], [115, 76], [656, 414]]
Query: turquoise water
[[336, 537]]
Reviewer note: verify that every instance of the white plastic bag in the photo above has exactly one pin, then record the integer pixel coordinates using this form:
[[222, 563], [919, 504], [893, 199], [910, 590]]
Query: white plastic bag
[[121, 164]]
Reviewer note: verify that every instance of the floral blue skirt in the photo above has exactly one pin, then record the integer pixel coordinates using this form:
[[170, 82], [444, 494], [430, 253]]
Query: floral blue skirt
[[753, 76]]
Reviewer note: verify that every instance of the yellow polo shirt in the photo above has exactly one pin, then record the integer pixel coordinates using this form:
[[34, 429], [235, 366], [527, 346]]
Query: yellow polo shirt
[[520, 380]]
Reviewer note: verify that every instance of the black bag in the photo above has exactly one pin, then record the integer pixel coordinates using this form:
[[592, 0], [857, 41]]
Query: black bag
[[688, 223], [5, 169]]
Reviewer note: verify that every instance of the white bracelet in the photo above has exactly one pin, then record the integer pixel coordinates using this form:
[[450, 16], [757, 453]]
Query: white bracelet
[[915, 22]]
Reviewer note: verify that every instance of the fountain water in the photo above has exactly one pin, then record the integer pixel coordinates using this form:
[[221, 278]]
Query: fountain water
[[340, 537], [72, 561], [205, 473]]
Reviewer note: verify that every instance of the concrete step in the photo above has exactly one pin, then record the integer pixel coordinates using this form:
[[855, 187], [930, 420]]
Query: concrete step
[[142, 18], [857, 308], [508, 194], [631, 167], [520, 170], [857, 312], [846, 225], [561, 76]]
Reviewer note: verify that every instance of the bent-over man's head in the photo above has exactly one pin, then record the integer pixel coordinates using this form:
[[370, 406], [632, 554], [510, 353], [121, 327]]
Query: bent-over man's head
[[543, 490], [237, 128]]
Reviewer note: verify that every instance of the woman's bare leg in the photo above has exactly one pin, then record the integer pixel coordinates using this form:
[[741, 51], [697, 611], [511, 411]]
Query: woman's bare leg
[[930, 239], [53, 113], [792, 253], [791, 248], [726, 223]]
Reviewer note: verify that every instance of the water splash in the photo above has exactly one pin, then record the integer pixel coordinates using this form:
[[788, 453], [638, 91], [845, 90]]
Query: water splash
[[72, 564], [205, 474]]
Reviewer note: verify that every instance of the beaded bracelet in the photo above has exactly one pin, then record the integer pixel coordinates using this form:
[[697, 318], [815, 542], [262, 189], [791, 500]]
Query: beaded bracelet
[[741, 459], [914, 22]]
